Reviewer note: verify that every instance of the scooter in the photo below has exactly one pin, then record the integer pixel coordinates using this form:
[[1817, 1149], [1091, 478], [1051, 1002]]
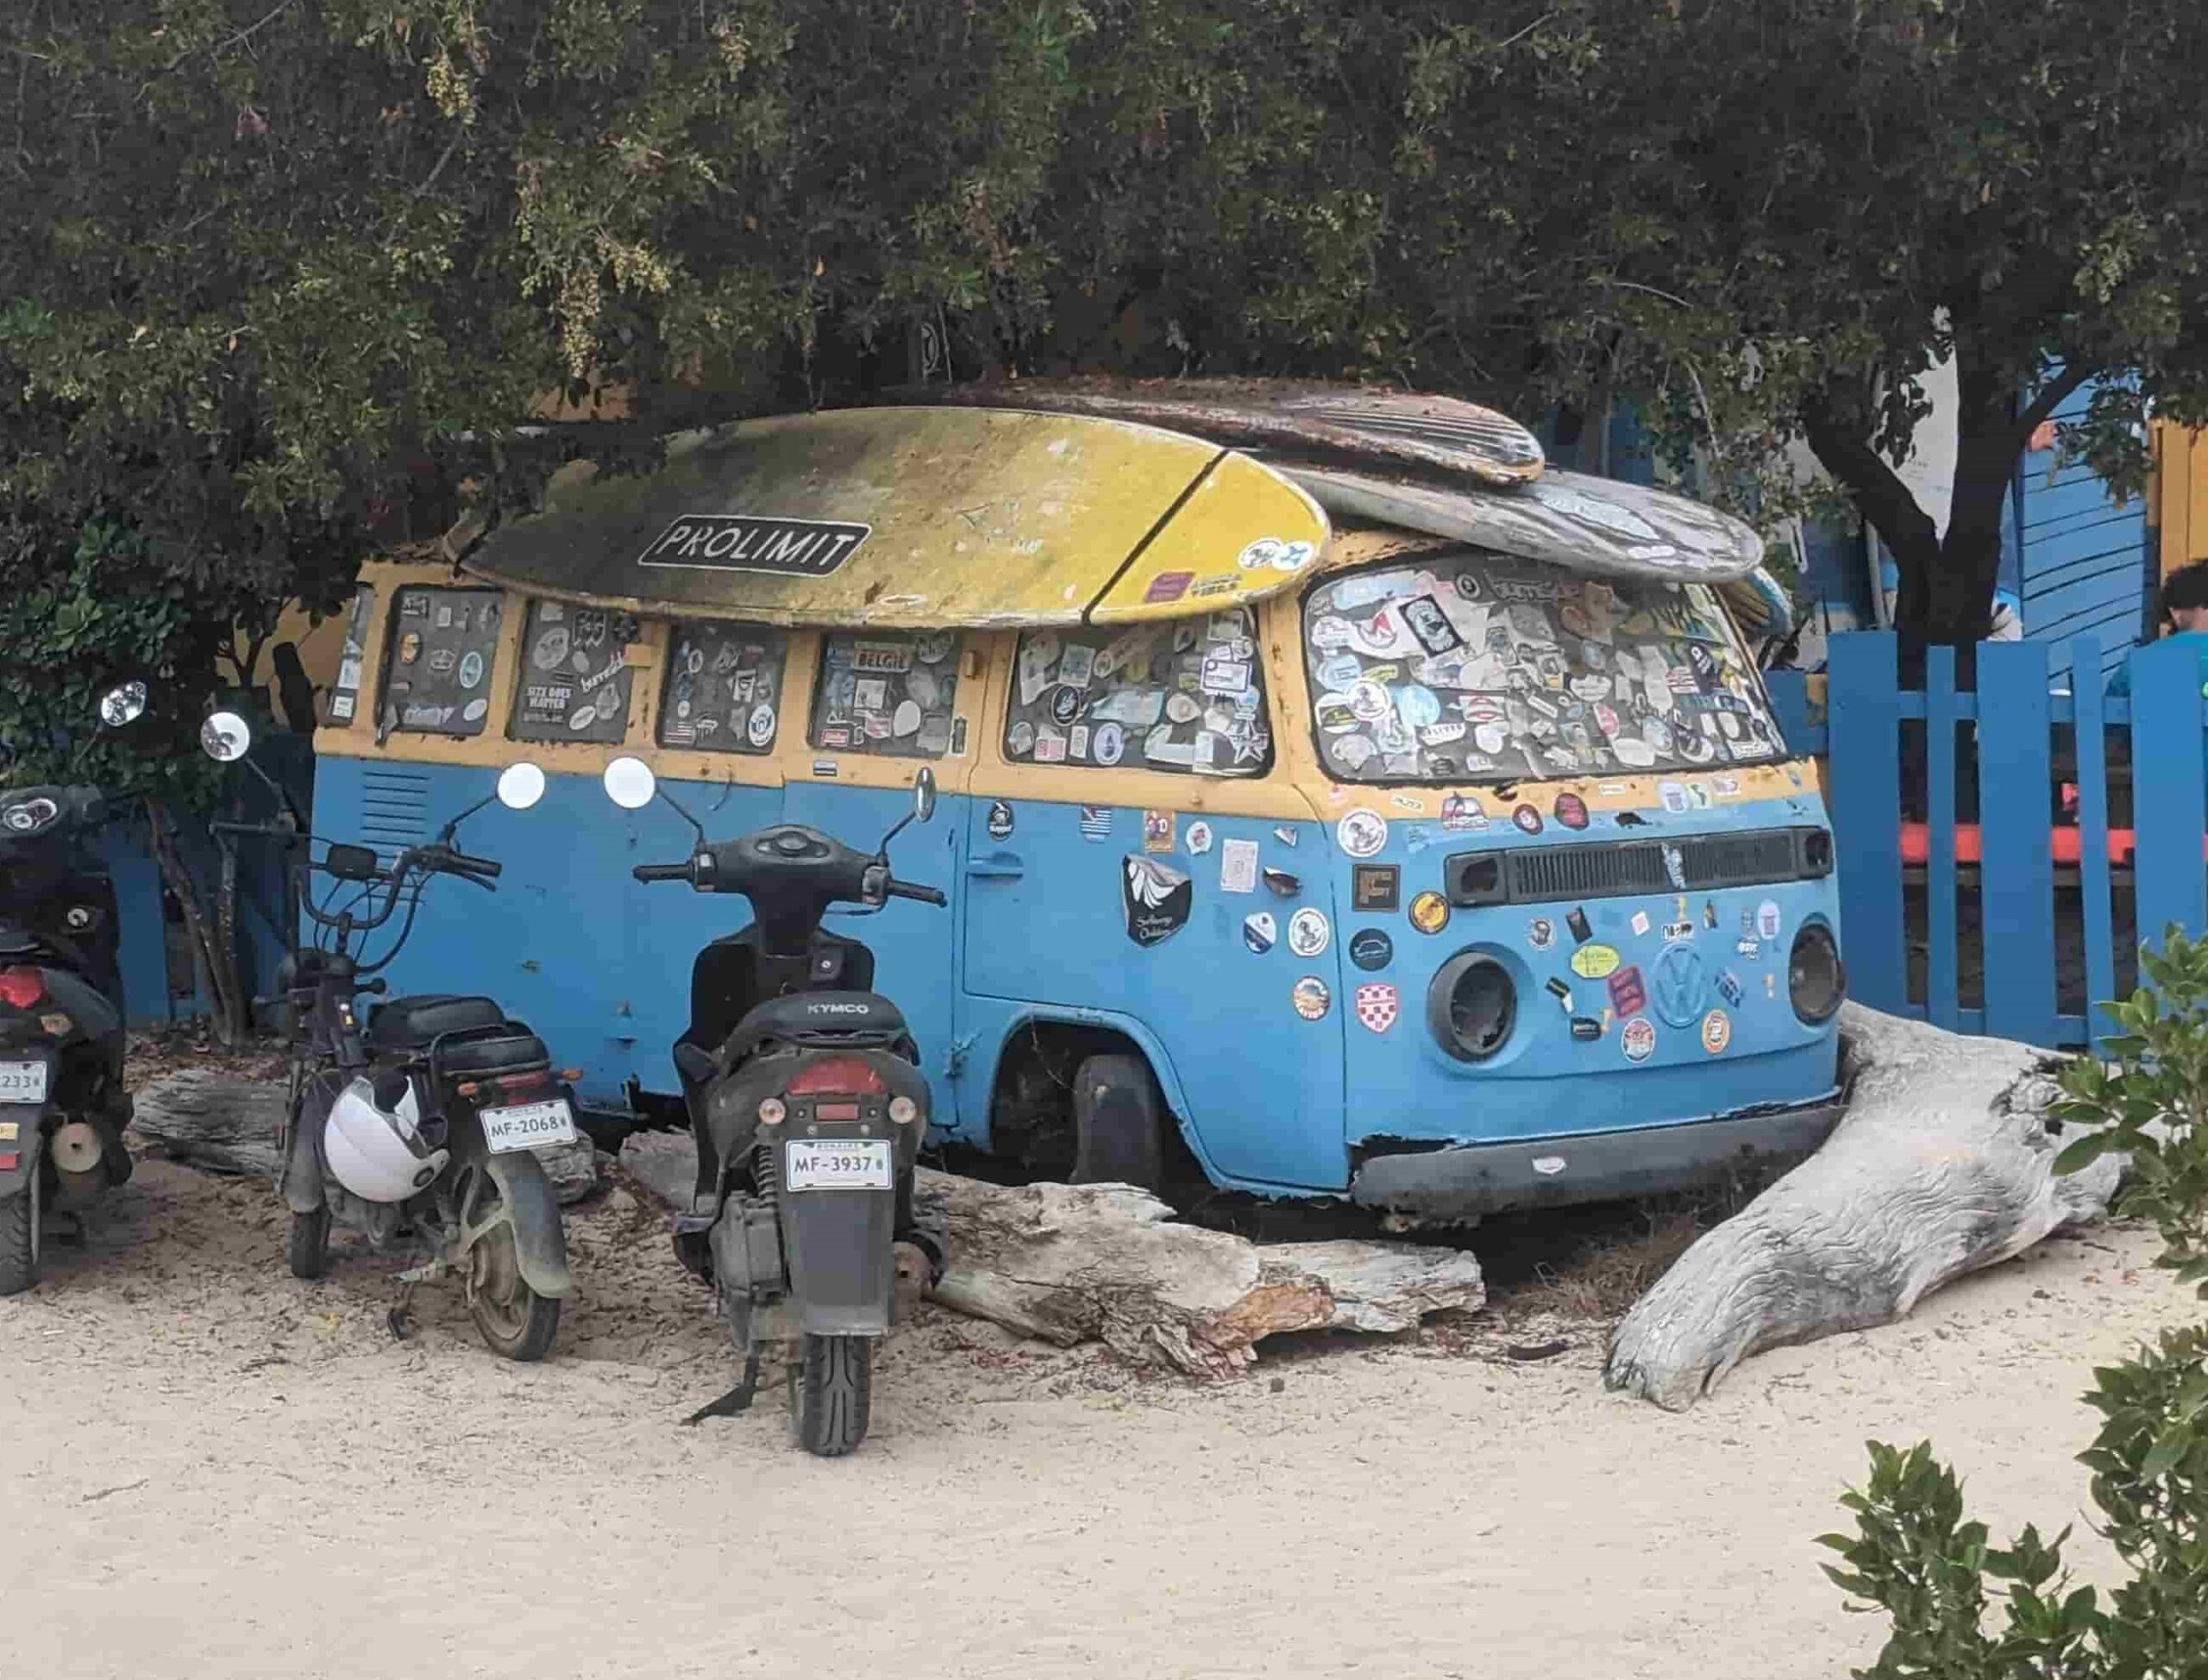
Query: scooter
[[808, 1104], [62, 1106], [420, 1126]]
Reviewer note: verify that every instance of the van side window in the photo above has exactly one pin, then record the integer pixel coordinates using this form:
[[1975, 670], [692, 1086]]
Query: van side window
[[886, 691], [574, 676], [1186, 697], [723, 687], [437, 667], [352, 664]]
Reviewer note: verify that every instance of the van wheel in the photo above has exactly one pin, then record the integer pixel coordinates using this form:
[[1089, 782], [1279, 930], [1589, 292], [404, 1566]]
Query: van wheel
[[19, 1236], [1118, 1123], [306, 1250], [831, 1394]]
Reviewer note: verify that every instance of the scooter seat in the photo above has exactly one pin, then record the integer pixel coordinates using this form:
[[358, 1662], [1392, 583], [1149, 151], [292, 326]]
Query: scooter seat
[[814, 1018], [513, 1049], [413, 1023]]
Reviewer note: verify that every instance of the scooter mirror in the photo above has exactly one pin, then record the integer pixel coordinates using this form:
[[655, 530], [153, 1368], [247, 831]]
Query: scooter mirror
[[520, 786], [125, 704], [225, 737], [924, 795], [630, 783]]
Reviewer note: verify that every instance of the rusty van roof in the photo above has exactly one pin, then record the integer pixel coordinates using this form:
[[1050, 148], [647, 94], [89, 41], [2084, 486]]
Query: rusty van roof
[[920, 518]]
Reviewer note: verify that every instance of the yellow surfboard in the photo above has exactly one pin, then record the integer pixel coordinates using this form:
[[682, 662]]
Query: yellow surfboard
[[919, 517]]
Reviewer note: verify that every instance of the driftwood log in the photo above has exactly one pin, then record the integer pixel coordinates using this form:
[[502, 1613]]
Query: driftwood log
[[1070, 1263], [1942, 1164], [222, 1125]]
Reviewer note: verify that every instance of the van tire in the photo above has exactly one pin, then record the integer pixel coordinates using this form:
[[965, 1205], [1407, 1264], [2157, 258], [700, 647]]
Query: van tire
[[1119, 1123]]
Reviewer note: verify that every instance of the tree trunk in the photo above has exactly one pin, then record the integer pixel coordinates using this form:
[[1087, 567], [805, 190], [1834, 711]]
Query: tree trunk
[[1942, 1164], [218, 963]]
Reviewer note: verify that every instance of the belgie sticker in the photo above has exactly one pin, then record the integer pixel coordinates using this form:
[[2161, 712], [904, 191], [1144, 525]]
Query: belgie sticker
[[1157, 897], [750, 542]]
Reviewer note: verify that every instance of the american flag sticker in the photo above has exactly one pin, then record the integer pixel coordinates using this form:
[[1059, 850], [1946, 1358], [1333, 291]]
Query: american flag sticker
[[1097, 822]]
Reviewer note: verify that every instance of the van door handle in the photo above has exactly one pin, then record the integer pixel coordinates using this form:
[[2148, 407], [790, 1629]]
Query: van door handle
[[997, 866]]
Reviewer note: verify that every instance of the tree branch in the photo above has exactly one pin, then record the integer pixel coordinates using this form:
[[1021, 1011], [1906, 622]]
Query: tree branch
[[1878, 491]]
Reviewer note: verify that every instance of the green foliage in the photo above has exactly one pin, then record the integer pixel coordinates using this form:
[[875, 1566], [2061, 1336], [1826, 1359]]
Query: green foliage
[[1914, 1557]]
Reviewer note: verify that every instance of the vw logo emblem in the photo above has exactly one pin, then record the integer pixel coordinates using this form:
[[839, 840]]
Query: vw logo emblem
[[1678, 985]]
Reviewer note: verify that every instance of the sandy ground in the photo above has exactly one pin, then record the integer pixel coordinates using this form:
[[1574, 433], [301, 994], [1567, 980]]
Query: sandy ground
[[210, 1468]]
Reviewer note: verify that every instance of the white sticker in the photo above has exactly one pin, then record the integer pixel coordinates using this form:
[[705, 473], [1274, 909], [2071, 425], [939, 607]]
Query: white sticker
[[1308, 932], [1361, 833], [907, 720], [1077, 741], [1199, 838], [759, 727], [1237, 866], [1674, 797], [471, 711], [1640, 921], [1180, 709]]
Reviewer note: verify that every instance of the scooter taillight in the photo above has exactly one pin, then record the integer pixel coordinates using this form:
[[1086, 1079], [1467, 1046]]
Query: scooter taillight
[[24, 987], [840, 1076]]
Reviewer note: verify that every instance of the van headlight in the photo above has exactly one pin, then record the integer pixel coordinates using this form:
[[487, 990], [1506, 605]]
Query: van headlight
[[1816, 981], [1471, 1006]]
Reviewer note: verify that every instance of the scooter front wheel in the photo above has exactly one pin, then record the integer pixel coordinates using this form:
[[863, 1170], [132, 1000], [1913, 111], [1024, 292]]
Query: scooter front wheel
[[19, 1237], [831, 1394], [513, 1319], [307, 1250]]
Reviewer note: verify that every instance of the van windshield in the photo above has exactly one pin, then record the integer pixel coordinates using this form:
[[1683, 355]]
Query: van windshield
[[1477, 666]]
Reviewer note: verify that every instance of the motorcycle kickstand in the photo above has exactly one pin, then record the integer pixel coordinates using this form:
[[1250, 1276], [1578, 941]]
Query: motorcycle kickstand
[[400, 1318], [737, 1400]]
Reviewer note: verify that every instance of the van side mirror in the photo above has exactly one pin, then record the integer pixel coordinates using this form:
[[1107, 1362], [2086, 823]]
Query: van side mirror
[[924, 795]]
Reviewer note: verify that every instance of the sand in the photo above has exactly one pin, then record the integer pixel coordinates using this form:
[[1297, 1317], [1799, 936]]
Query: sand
[[211, 1469]]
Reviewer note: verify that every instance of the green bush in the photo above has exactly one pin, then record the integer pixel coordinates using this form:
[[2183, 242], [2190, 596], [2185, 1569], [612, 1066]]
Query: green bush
[[1962, 1609]]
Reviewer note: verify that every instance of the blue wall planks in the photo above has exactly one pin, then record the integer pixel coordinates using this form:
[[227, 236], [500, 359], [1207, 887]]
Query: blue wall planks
[[2092, 837], [1940, 995], [2166, 788], [1863, 711], [2016, 881]]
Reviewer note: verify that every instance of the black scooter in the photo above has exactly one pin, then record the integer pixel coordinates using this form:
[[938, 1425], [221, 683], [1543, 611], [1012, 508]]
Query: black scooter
[[808, 1104], [62, 1106], [471, 1091]]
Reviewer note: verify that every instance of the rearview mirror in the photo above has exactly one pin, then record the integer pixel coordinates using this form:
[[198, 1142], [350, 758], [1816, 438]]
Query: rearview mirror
[[924, 795], [125, 704], [520, 786], [630, 783], [225, 737]]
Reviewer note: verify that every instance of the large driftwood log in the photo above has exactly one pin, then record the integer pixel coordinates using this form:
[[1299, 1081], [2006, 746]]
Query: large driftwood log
[[1071, 1263], [222, 1124], [1941, 1165]]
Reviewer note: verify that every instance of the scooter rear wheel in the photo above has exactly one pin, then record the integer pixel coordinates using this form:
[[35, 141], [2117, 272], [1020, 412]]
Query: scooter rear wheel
[[513, 1319], [831, 1394], [19, 1237], [307, 1250]]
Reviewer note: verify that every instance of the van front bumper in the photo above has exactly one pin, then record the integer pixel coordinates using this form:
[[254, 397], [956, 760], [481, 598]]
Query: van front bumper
[[1461, 1182]]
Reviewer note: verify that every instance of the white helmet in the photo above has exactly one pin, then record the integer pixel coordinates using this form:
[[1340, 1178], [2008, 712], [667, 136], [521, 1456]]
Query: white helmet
[[378, 1153]]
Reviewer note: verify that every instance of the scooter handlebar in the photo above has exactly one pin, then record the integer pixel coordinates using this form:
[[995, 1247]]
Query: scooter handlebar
[[662, 872], [905, 889], [474, 866]]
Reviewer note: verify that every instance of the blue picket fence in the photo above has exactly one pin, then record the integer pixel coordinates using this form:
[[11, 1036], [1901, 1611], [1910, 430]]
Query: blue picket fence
[[2025, 938]]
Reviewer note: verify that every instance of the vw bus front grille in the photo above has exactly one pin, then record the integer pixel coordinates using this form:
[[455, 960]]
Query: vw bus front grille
[[394, 808], [1538, 874]]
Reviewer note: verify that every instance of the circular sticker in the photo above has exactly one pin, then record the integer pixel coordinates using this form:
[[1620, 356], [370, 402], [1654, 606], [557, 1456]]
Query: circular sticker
[[1716, 1032], [906, 720], [1065, 704], [1182, 708], [473, 710], [759, 727], [1109, 742], [1528, 818], [1259, 930], [1416, 705], [1638, 1039], [1199, 838], [1308, 932], [551, 651], [1572, 810], [1020, 737], [1595, 962], [1540, 933], [1351, 752], [1311, 997], [1468, 585], [583, 718], [470, 668], [1429, 912], [1369, 700], [930, 649], [1370, 949], [1361, 833]]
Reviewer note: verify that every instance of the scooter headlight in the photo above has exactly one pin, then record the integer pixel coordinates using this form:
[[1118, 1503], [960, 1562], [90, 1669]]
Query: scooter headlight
[[771, 1112]]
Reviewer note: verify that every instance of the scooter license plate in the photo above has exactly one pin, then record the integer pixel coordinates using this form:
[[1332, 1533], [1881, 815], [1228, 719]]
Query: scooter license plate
[[839, 1163], [527, 1125], [23, 1082]]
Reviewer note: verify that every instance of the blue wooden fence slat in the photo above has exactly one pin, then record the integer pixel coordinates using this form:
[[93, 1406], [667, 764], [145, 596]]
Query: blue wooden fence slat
[[2169, 804], [2016, 869], [2093, 836], [1939, 713], [1863, 712]]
